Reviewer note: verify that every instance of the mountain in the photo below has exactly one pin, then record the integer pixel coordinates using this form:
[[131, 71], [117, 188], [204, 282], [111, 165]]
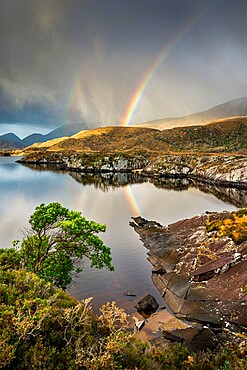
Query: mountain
[[226, 135], [69, 130], [65, 130], [11, 138], [11, 141], [233, 108], [33, 138], [8, 145]]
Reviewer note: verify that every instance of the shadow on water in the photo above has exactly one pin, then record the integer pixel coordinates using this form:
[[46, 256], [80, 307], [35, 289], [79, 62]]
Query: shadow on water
[[109, 180]]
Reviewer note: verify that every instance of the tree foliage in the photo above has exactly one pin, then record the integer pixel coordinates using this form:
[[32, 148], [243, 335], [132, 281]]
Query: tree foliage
[[57, 239]]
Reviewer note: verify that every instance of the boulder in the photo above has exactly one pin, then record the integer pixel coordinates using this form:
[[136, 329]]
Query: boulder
[[160, 270], [147, 305], [194, 336]]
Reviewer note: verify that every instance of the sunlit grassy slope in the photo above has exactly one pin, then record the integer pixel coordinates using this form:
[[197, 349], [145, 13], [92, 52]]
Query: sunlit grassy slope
[[225, 135]]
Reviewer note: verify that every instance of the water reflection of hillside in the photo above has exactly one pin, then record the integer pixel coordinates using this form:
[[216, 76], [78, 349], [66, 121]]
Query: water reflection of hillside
[[237, 197], [106, 181]]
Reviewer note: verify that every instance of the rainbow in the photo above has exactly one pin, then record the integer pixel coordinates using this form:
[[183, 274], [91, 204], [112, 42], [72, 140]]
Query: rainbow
[[164, 54], [132, 201], [77, 98]]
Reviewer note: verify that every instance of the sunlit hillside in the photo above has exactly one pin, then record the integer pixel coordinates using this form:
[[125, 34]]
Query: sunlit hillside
[[228, 135], [106, 139], [233, 108], [47, 144]]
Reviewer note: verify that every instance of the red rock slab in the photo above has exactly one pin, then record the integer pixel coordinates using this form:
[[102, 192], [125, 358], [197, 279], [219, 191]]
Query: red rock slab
[[243, 249], [207, 271], [159, 319], [228, 286]]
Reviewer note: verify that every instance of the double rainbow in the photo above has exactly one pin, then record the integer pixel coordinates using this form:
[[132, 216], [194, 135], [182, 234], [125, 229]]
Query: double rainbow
[[162, 56], [77, 98]]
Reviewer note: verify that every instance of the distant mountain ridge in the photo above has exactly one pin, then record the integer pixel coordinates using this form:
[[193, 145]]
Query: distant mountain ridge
[[11, 137], [233, 108], [65, 130], [8, 145], [12, 141]]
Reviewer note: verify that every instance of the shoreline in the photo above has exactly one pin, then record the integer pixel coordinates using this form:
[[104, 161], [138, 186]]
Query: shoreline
[[202, 277], [226, 171]]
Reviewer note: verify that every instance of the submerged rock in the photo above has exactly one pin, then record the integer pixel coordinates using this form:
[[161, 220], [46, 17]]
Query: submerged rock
[[129, 294]]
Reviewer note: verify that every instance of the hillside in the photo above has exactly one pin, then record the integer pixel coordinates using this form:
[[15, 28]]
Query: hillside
[[222, 135], [233, 108], [8, 145], [229, 135], [106, 140], [10, 137]]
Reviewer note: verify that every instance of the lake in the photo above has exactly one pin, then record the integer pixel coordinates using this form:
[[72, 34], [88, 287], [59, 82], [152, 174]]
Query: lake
[[111, 200]]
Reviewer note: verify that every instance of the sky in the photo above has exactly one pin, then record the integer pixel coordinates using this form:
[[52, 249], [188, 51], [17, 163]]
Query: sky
[[109, 62]]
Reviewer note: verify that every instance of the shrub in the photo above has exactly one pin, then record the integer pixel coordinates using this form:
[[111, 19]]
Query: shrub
[[57, 239], [235, 227]]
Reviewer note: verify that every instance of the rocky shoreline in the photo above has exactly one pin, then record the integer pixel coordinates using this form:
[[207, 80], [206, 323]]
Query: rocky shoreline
[[223, 170], [200, 272], [218, 170]]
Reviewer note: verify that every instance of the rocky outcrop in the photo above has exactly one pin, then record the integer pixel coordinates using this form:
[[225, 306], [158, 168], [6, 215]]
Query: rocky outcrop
[[229, 171], [163, 328], [221, 170], [201, 274], [105, 164], [88, 162]]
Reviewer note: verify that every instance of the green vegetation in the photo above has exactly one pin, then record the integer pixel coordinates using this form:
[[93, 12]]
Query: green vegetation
[[223, 135], [235, 226], [42, 327], [58, 238]]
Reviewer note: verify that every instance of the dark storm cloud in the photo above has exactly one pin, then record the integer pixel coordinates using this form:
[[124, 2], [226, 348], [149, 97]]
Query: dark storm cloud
[[83, 59]]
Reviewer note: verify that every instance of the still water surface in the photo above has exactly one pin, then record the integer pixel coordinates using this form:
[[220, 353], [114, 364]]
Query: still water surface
[[22, 189]]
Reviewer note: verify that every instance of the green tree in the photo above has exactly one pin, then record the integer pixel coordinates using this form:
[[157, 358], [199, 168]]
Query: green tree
[[57, 239]]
